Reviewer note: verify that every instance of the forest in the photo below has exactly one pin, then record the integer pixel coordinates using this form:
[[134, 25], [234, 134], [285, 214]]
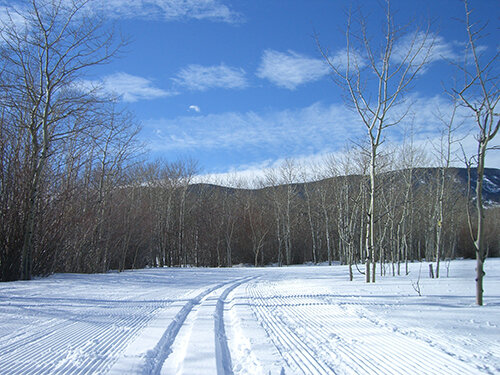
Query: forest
[[78, 193], [94, 219]]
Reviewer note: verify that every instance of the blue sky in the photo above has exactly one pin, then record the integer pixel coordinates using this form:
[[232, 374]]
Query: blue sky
[[239, 84]]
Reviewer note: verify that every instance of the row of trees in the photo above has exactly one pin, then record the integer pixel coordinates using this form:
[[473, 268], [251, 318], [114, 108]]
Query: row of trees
[[153, 215]]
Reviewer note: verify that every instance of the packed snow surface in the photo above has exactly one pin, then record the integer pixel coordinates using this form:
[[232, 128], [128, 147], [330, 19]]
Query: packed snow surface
[[289, 320]]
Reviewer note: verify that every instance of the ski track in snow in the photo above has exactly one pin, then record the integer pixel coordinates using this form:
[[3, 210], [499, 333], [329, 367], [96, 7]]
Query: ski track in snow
[[222, 354], [272, 321], [219, 354]]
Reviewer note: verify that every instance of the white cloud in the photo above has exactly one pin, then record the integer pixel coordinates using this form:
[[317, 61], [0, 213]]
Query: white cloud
[[280, 133], [13, 17], [422, 47], [311, 167], [212, 10], [256, 141], [201, 78], [442, 50], [340, 61], [195, 108], [314, 166], [426, 120], [129, 87], [290, 69], [168, 10]]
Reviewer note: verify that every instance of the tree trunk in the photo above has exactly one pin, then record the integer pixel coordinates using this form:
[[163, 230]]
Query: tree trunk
[[27, 252], [370, 232], [327, 235], [479, 242]]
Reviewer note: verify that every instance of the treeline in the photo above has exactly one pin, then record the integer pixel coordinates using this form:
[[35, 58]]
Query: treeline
[[289, 222], [97, 214]]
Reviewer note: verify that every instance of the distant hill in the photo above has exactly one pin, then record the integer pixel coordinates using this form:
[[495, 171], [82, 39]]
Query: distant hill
[[491, 186]]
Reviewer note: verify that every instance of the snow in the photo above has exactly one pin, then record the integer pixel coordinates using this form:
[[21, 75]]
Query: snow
[[490, 186], [289, 320]]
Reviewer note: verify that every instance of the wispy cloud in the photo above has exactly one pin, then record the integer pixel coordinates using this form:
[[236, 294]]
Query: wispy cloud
[[201, 78], [341, 61], [311, 167], [254, 141], [290, 69], [280, 133], [419, 48], [212, 10], [167, 10], [414, 49], [425, 124], [129, 87], [12, 16]]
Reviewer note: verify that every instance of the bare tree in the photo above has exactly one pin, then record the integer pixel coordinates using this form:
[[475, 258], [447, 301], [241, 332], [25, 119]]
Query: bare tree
[[229, 210], [283, 182], [348, 210], [480, 94], [189, 169], [306, 172], [409, 158], [392, 65], [259, 228], [45, 55], [324, 191], [445, 156], [287, 173], [273, 195], [115, 145]]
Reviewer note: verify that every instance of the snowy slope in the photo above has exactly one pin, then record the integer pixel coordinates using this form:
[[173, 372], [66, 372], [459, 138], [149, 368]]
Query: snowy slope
[[296, 320]]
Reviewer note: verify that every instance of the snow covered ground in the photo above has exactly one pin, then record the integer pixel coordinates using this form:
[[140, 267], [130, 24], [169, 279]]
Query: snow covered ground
[[294, 320]]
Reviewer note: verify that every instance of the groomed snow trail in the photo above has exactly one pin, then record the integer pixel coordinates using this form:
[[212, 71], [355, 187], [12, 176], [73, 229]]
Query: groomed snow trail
[[86, 341], [318, 337], [250, 321], [201, 344], [100, 324]]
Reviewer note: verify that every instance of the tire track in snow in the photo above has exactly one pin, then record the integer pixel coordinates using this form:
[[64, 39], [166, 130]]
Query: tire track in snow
[[222, 354], [158, 356], [320, 337]]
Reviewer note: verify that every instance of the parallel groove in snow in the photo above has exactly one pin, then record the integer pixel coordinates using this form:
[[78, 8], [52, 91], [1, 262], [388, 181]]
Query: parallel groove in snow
[[435, 340], [303, 357], [310, 331], [95, 342]]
